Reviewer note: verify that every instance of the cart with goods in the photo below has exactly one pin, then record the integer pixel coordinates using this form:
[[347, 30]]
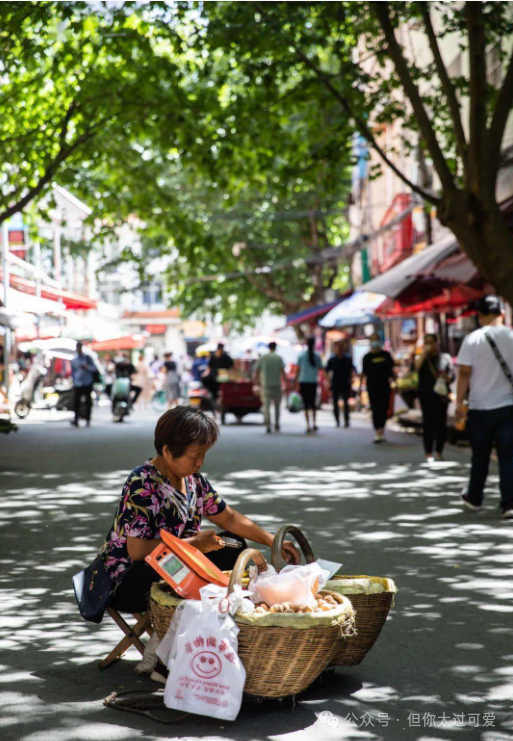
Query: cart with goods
[[238, 398], [283, 647], [371, 598]]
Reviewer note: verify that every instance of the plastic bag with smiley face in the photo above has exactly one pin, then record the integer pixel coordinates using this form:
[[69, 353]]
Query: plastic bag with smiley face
[[206, 676]]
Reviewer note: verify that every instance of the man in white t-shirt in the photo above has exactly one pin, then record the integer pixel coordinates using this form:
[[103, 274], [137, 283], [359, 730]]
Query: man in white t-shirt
[[490, 402]]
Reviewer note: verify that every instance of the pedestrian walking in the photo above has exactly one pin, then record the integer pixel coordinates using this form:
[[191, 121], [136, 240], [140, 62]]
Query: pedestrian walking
[[436, 373], [378, 370], [170, 370], [340, 367], [270, 375], [484, 364], [220, 360], [309, 364], [155, 366], [143, 381], [83, 372]]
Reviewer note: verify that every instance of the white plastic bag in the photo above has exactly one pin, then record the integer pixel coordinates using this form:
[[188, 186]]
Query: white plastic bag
[[206, 676], [295, 584]]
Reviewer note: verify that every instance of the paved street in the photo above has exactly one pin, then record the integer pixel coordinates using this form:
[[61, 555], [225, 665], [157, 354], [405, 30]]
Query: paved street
[[446, 648]]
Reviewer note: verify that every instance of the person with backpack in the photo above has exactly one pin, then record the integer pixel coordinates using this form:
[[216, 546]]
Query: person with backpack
[[485, 371], [309, 364]]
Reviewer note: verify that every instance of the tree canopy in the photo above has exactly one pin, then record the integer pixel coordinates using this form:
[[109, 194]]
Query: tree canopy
[[222, 124]]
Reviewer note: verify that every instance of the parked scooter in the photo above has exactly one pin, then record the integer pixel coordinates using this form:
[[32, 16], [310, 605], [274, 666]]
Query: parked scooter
[[199, 397], [121, 399], [29, 386]]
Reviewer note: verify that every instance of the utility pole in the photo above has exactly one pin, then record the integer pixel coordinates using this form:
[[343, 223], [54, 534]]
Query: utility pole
[[5, 280]]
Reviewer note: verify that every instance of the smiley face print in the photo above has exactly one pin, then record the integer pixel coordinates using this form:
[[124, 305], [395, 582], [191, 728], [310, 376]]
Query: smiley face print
[[206, 665]]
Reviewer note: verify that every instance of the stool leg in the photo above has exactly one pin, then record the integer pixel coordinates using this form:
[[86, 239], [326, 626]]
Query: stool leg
[[132, 636]]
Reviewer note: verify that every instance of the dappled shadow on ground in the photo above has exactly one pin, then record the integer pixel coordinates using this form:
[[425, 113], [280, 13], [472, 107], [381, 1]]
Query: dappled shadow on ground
[[444, 650]]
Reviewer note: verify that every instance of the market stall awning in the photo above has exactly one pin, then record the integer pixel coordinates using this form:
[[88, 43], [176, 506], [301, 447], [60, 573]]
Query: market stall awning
[[457, 268], [449, 299], [68, 298], [312, 313], [399, 278], [28, 304], [128, 342], [360, 308], [29, 332]]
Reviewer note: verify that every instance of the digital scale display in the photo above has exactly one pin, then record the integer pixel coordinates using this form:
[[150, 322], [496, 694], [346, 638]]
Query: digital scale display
[[174, 567]]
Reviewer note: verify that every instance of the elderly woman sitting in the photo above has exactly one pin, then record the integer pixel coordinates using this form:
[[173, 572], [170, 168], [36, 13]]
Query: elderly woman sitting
[[169, 493]]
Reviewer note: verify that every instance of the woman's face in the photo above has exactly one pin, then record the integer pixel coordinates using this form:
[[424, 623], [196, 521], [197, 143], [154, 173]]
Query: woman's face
[[431, 346], [190, 462]]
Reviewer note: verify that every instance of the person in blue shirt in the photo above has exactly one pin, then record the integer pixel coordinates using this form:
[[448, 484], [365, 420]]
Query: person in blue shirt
[[83, 371], [309, 364], [200, 365]]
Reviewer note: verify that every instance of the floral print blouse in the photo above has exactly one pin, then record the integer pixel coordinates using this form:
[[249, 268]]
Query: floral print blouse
[[149, 503]]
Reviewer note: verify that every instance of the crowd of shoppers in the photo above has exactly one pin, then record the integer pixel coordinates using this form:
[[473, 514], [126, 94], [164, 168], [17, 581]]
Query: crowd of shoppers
[[484, 390]]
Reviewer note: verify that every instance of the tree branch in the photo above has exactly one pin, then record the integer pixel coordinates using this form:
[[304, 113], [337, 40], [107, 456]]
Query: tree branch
[[501, 112], [478, 166], [395, 53], [447, 86], [361, 125], [275, 295], [47, 176]]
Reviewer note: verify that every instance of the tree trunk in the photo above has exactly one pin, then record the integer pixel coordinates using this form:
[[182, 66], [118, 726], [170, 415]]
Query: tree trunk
[[485, 237]]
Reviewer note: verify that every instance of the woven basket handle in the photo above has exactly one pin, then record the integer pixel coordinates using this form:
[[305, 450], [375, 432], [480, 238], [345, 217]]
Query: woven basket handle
[[278, 545], [250, 554]]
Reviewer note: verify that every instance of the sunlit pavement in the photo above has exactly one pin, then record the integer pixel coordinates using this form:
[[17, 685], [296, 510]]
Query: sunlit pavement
[[441, 669]]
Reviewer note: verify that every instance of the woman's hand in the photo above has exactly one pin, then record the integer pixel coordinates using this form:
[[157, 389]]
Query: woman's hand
[[206, 541], [290, 553]]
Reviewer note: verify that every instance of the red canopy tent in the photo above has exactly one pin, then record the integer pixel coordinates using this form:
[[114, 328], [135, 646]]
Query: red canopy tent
[[127, 342], [449, 299]]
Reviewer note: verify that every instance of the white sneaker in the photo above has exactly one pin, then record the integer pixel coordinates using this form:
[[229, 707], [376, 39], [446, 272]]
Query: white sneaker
[[507, 514], [430, 458], [378, 438]]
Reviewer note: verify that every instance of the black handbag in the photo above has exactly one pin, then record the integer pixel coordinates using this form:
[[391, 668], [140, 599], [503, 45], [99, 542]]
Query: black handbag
[[93, 590]]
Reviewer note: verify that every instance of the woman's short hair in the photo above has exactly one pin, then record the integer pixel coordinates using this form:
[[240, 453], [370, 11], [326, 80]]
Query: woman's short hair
[[434, 337], [181, 427]]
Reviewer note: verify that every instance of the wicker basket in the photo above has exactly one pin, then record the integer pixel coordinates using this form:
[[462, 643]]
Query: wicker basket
[[371, 613], [371, 609], [279, 661]]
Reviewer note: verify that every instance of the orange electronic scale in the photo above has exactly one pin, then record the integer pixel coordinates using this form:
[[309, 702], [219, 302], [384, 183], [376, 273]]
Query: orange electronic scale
[[184, 567]]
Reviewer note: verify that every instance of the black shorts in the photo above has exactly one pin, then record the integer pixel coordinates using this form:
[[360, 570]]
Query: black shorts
[[308, 393]]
